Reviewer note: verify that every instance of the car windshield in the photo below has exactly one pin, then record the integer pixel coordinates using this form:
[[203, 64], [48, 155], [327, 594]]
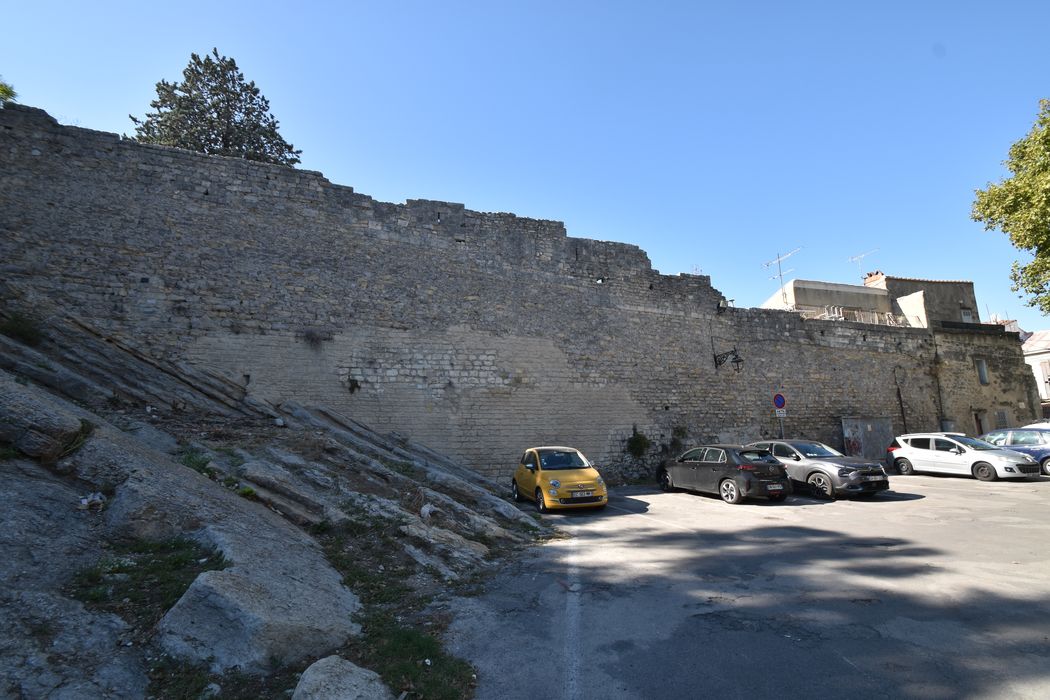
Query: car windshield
[[759, 456], [974, 443], [562, 459], [816, 449]]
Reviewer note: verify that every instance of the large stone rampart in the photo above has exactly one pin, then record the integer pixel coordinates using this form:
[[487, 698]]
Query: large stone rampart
[[478, 334]]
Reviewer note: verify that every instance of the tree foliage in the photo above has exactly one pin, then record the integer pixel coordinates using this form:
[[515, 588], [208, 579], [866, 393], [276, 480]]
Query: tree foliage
[[213, 110], [7, 93], [1019, 206]]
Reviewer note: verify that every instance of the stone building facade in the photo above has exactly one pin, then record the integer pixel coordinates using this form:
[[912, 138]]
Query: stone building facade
[[478, 334], [926, 303]]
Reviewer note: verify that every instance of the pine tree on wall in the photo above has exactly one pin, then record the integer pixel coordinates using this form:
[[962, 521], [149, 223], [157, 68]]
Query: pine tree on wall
[[7, 93], [213, 110]]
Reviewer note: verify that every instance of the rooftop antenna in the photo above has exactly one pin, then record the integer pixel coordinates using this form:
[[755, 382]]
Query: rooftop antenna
[[858, 258], [780, 273]]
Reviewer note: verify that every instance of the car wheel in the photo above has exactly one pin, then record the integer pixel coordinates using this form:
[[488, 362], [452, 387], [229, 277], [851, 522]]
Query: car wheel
[[541, 505], [665, 481], [904, 467], [984, 472], [1045, 464], [729, 492], [514, 492], [820, 485]]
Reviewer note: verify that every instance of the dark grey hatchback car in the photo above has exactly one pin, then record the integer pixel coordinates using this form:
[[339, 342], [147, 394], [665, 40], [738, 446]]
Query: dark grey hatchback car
[[734, 472]]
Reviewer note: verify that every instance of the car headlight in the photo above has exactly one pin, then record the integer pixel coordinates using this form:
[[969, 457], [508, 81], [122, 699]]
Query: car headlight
[[553, 492], [845, 472], [601, 481], [555, 483]]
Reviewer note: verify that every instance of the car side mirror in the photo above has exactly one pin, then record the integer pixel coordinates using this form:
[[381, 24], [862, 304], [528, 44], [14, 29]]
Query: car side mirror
[[531, 467], [796, 458], [680, 459], [958, 450]]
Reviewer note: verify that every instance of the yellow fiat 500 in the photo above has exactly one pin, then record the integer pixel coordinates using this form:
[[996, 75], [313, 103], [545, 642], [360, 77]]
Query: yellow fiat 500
[[558, 477]]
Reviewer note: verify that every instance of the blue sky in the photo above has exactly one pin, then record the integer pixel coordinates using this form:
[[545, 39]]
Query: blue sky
[[712, 135]]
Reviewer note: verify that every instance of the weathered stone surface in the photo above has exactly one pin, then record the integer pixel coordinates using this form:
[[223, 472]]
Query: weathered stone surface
[[234, 619], [51, 646], [278, 599], [153, 437], [335, 678], [36, 427]]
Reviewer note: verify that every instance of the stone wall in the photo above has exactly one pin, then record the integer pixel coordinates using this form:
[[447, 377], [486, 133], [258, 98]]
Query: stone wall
[[478, 334]]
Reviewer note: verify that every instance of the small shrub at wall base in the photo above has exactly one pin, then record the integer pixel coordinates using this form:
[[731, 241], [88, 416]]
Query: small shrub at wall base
[[637, 445]]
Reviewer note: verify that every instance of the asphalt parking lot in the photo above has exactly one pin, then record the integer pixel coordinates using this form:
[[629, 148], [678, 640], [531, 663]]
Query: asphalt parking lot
[[939, 588]]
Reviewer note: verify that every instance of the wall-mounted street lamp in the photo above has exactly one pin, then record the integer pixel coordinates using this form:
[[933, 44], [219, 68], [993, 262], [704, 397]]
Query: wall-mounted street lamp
[[723, 304], [732, 357]]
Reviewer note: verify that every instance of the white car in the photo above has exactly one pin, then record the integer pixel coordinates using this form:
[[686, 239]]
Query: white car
[[954, 453]]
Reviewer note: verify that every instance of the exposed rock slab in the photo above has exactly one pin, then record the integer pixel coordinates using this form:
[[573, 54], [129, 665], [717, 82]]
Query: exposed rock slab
[[51, 646], [34, 424], [278, 599]]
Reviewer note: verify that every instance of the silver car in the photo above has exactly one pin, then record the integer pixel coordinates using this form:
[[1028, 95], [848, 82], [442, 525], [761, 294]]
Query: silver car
[[955, 453], [827, 472]]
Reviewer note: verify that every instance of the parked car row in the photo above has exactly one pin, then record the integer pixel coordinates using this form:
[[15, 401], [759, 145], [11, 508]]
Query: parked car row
[[1031, 440], [562, 477], [955, 453], [773, 469]]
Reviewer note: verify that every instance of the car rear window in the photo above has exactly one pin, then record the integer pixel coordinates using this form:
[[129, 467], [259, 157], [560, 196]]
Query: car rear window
[[920, 443], [757, 456]]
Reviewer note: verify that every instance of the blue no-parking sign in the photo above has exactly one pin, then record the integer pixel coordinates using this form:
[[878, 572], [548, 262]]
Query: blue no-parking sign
[[779, 401]]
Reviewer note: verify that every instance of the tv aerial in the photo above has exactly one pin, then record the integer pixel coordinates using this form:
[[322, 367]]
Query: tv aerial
[[780, 271], [858, 258]]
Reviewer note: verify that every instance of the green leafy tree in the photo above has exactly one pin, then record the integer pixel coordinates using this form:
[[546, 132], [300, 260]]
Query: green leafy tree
[[7, 93], [1019, 206], [213, 110]]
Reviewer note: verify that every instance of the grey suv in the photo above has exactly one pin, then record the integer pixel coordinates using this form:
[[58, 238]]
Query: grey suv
[[827, 472]]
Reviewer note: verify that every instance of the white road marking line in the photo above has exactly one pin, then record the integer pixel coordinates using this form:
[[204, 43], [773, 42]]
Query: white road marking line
[[572, 625]]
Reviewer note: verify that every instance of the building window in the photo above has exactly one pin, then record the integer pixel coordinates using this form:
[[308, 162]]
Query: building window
[[967, 315], [982, 370], [1000, 420]]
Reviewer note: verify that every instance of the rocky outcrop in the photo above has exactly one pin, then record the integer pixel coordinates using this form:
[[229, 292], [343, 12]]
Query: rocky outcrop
[[33, 426], [279, 598], [91, 421]]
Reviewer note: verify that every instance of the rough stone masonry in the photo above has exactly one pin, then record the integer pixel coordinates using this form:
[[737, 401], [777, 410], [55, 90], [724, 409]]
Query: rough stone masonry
[[477, 334]]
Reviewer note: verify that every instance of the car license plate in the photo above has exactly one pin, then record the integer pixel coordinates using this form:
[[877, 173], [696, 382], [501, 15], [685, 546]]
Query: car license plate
[[774, 487], [582, 494], [873, 478]]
